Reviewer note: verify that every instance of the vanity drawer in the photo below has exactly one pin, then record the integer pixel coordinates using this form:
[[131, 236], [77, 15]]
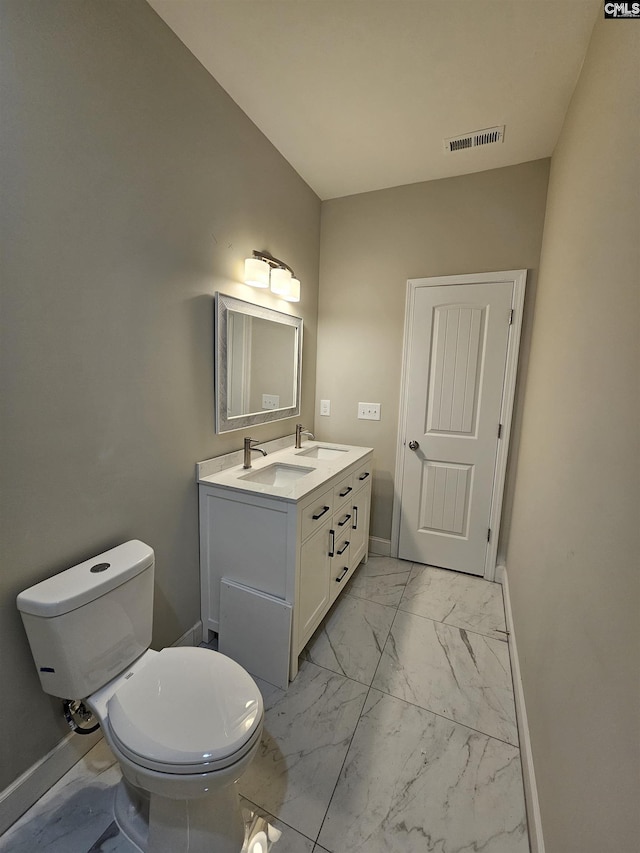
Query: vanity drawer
[[339, 545], [315, 514], [362, 475], [339, 579], [342, 492], [340, 565], [343, 520]]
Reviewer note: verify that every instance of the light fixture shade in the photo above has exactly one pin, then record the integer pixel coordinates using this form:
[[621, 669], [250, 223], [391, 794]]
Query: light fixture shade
[[256, 272], [294, 291], [281, 281]]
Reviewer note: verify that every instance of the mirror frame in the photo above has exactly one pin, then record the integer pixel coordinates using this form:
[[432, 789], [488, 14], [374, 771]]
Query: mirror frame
[[222, 305]]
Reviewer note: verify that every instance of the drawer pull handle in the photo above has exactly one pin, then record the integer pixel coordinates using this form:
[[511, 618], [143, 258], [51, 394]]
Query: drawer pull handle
[[344, 572], [332, 547], [364, 476], [321, 513], [355, 518], [344, 520], [346, 491], [343, 549]]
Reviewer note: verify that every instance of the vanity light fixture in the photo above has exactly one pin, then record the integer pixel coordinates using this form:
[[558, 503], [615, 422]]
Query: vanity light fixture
[[263, 270], [280, 281], [256, 272], [294, 291]]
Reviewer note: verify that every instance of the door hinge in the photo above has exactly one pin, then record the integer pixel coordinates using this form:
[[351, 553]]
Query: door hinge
[[511, 317], [499, 430], [489, 535]]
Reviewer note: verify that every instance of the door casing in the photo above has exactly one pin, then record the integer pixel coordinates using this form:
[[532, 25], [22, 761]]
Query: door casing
[[518, 279]]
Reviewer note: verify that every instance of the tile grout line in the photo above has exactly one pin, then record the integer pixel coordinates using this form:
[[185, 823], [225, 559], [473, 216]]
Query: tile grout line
[[449, 719], [359, 718], [451, 625], [435, 713], [275, 818], [333, 672], [442, 622], [369, 600], [344, 761]]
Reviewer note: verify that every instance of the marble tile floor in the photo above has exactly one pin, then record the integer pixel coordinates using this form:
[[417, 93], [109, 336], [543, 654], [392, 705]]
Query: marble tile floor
[[399, 734]]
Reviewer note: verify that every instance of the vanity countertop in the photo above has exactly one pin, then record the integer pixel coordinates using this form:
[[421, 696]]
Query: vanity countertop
[[319, 470]]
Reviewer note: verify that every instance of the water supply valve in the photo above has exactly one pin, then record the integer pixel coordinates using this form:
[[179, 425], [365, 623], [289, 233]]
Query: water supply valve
[[79, 718]]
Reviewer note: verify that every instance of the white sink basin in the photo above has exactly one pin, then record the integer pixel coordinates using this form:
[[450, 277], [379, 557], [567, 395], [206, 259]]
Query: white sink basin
[[321, 452], [277, 474]]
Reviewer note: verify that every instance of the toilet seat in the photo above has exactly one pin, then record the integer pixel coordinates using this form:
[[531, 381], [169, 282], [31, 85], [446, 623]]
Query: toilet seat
[[188, 711]]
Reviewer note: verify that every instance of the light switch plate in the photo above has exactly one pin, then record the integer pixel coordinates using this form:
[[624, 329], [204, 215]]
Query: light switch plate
[[325, 407], [369, 411]]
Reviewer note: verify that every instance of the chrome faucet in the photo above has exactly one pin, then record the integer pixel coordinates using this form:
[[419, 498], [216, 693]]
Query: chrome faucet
[[249, 446], [300, 431]]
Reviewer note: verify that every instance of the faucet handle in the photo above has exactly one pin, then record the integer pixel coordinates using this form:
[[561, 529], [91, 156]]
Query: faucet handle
[[249, 445], [300, 431]]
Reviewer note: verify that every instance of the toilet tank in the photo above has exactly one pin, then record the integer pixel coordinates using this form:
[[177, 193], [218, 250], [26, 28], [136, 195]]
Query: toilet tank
[[87, 624]]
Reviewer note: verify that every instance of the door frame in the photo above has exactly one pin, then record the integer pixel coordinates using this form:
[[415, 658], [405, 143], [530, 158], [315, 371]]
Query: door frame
[[518, 278]]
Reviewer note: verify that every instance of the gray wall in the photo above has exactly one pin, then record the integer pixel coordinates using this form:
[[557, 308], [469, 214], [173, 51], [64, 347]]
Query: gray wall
[[573, 561], [132, 188], [370, 245]]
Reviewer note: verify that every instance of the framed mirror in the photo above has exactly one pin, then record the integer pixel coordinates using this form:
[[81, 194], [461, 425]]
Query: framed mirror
[[258, 364]]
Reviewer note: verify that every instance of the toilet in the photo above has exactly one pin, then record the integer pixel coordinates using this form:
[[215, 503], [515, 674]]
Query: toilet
[[184, 723]]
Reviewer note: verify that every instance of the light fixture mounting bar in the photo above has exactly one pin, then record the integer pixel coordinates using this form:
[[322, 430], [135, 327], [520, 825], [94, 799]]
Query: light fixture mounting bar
[[273, 262]]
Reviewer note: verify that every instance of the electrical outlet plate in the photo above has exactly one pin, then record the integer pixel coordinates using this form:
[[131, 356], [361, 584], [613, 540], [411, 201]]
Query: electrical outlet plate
[[325, 407], [369, 411], [270, 401]]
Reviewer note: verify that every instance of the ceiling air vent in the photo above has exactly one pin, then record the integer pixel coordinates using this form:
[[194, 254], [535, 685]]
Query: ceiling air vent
[[487, 136]]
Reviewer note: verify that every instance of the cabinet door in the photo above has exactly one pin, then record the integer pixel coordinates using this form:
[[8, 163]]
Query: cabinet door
[[360, 524], [313, 588]]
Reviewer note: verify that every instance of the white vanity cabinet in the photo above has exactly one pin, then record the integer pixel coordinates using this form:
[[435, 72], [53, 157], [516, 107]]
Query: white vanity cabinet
[[296, 548]]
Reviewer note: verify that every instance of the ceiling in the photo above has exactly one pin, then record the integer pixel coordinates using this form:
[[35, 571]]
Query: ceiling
[[359, 95]]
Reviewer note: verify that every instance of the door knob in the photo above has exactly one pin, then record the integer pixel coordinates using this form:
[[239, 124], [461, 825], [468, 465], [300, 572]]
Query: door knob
[[413, 445]]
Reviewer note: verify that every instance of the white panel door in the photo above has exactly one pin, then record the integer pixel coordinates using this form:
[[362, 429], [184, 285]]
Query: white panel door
[[458, 339]]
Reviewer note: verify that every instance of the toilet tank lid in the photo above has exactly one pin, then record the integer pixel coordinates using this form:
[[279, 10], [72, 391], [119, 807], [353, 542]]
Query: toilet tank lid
[[87, 581]]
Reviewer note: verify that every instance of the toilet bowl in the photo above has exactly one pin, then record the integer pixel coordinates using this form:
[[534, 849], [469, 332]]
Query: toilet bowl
[[184, 723]]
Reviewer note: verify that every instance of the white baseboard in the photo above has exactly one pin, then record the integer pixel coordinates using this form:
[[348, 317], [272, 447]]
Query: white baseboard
[[381, 547], [192, 637], [534, 821], [41, 776], [37, 779]]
